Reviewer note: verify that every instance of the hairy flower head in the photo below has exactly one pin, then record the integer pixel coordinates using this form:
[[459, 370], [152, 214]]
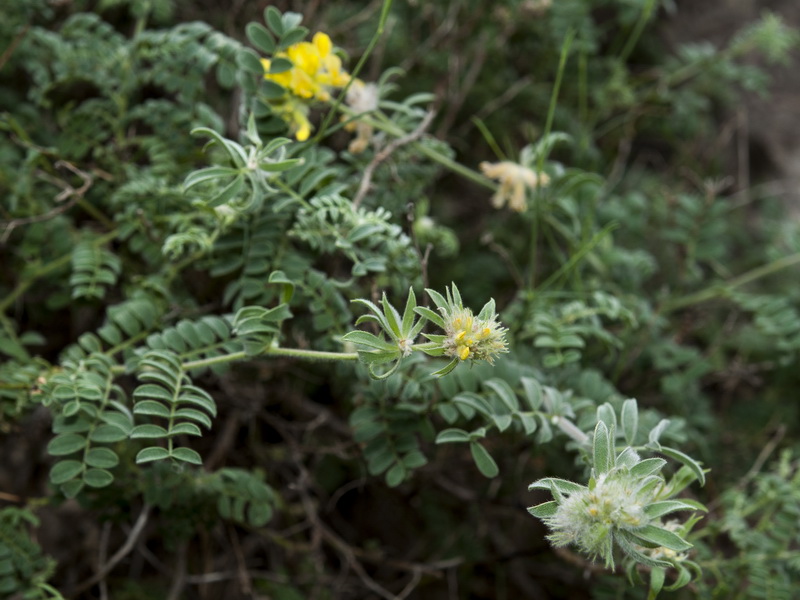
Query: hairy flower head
[[468, 336], [590, 517], [514, 179]]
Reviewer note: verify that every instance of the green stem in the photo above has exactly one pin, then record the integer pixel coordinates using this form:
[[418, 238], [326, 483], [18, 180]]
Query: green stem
[[583, 88], [578, 256], [46, 269], [487, 135], [383, 123], [720, 289], [289, 191], [551, 111], [94, 212], [548, 126], [456, 167], [644, 17], [387, 4], [312, 355]]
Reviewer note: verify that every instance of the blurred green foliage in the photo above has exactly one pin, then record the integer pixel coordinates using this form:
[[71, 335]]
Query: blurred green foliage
[[180, 316]]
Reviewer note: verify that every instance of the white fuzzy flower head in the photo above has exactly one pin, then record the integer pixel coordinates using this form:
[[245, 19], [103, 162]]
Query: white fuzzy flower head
[[589, 518], [405, 346]]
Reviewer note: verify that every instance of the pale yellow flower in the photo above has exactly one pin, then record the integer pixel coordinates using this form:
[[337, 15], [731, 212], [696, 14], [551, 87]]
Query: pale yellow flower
[[470, 337], [514, 180], [536, 7], [362, 98]]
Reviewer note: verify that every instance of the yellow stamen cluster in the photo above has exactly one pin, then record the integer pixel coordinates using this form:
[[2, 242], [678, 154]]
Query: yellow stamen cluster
[[514, 179], [469, 337], [316, 70]]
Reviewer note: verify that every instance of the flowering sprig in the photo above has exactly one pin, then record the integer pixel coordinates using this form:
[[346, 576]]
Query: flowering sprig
[[315, 69], [294, 73], [465, 337], [307, 71], [623, 506]]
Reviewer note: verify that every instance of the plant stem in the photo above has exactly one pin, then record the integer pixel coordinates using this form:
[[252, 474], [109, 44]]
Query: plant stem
[[548, 126], [644, 17], [46, 269], [551, 111], [383, 123], [578, 255], [312, 355], [94, 212], [387, 4], [572, 430], [271, 351], [721, 289]]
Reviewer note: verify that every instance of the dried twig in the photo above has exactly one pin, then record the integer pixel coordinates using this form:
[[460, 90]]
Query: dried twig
[[179, 577], [243, 576], [129, 545], [102, 556], [386, 152], [67, 191], [460, 92]]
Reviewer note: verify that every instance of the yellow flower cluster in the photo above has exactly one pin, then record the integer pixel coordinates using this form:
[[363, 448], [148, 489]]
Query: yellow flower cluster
[[469, 337], [316, 69], [513, 178]]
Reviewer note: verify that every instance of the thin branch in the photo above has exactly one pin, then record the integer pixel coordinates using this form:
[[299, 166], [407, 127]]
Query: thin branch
[[497, 103], [102, 556], [321, 531], [67, 191], [13, 45], [386, 152], [126, 548], [456, 100], [179, 578], [754, 470], [416, 576], [242, 575]]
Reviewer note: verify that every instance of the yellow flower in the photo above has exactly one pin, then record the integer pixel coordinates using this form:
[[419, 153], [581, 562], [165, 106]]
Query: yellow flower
[[514, 179], [295, 113], [315, 69]]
